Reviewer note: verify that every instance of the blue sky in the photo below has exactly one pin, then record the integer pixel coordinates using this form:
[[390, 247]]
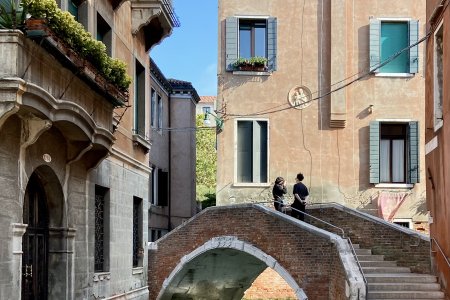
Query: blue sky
[[190, 53]]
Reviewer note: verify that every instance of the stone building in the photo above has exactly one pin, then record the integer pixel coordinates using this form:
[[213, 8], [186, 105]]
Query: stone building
[[357, 143], [172, 154], [74, 170], [436, 137]]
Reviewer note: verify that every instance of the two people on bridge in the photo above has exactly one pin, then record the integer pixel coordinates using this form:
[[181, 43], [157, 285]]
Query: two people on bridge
[[300, 192]]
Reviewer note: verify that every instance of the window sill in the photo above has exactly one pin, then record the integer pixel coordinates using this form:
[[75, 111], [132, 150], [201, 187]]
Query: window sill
[[250, 184], [403, 75], [141, 141], [395, 185], [102, 276], [252, 73], [137, 270]]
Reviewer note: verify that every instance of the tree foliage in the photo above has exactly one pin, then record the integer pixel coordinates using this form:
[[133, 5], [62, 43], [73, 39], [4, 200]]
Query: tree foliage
[[206, 164]]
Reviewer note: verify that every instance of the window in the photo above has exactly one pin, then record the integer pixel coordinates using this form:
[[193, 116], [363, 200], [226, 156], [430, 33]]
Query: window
[[404, 223], [153, 112], [394, 152], [73, 9], [252, 154], [160, 187], [104, 33], [101, 249], [438, 76], [387, 37], [252, 38], [139, 100], [156, 234], [156, 102], [137, 232], [206, 110], [160, 112], [249, 37]]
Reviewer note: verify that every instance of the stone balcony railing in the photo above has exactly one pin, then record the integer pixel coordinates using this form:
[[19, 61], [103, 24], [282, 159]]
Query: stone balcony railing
[[33, 80]]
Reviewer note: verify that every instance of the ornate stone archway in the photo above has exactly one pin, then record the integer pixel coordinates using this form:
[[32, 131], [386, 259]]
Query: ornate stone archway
[[255, 260]]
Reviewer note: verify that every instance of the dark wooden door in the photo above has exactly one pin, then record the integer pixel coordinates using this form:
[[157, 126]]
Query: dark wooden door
[[35, 242]]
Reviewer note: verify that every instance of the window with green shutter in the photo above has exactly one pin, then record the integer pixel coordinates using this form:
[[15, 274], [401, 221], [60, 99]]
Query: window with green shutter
[[387, 37], [252, 151], [247, 37], [394, 152]]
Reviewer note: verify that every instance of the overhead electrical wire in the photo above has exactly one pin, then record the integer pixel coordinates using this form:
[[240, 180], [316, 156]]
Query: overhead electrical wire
[[365, 74]]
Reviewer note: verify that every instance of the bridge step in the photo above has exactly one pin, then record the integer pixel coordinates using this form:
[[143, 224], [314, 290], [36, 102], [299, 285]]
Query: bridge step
[[388, 281], [405, 295], [377, 263], [400, 278]]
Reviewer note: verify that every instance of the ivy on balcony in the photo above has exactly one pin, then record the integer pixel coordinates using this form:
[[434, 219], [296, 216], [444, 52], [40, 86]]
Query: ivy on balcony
[[73, 34]]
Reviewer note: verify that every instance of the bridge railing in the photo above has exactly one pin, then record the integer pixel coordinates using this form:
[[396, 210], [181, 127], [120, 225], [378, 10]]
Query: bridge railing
[[349, 241]]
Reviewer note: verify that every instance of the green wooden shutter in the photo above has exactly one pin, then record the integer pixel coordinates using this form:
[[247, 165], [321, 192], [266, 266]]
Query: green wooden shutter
[[374, 152], [374, 44], [231, 42], [272, 43], [413, 167], [414, 51]]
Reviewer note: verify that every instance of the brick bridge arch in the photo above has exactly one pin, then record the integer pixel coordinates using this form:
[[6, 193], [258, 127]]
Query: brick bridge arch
[[219, 252]]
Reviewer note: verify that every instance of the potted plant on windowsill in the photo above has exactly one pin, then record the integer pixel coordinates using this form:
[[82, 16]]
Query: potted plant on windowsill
[[256, 63]]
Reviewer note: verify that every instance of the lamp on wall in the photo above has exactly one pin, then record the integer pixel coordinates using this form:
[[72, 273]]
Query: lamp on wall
[[219, 121], [370, 109]]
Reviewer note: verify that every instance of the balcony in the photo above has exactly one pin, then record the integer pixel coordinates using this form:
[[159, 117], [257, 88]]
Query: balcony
[[156, 17]]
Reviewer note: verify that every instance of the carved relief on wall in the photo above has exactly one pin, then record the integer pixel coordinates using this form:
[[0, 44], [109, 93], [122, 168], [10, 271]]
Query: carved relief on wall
[[299, 97]]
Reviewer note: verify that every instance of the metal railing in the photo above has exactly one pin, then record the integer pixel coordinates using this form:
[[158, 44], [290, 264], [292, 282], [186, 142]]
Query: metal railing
[[440, 250], [349, 241]]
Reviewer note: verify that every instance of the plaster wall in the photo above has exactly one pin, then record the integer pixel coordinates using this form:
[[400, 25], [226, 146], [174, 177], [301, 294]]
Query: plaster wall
[[318, 44]]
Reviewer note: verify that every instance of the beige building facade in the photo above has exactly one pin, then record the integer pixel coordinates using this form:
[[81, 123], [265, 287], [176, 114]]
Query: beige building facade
[[357, 143], [172, 154], [74, 169]]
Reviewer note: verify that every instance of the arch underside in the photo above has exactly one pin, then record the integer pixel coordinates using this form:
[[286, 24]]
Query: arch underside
[[221, 271]]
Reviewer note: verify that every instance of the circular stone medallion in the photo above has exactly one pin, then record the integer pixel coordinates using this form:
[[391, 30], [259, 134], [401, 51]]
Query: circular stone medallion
[[299, 97]]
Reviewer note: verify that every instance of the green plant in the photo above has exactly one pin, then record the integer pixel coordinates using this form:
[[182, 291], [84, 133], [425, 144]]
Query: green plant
[[12, 15], [256, 61], [73, 33]]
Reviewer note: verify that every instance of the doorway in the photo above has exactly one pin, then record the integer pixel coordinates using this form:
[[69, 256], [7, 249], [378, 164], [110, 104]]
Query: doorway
[[35, 242]]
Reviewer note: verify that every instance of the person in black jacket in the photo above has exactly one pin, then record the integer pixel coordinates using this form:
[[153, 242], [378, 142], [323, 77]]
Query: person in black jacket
[[300, 193], [278, 191]]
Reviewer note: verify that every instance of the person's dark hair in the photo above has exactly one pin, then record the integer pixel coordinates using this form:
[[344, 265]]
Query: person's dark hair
[[300, 176], [279, 180]]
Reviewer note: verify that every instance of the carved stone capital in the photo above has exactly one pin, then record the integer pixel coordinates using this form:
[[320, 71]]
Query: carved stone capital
[[32, 128]]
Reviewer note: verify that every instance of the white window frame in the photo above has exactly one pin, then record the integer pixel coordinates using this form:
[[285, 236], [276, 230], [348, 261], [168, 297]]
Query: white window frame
[[399, 20], [403, 220], [250, 184], [437, 123], [387, 185]]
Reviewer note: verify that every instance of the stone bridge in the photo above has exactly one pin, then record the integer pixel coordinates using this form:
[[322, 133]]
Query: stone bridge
[[219, 253]]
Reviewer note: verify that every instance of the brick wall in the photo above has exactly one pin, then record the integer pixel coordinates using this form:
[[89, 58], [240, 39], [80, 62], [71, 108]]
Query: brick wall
[[403, 246], [311, 259], [269, 285]]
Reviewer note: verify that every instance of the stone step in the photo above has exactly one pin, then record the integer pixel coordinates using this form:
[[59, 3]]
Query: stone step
[[382, 263], [363, 251], [396, 286], [370, 257], [405, 295], [355, 246], [368, 270], [399, 278]]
